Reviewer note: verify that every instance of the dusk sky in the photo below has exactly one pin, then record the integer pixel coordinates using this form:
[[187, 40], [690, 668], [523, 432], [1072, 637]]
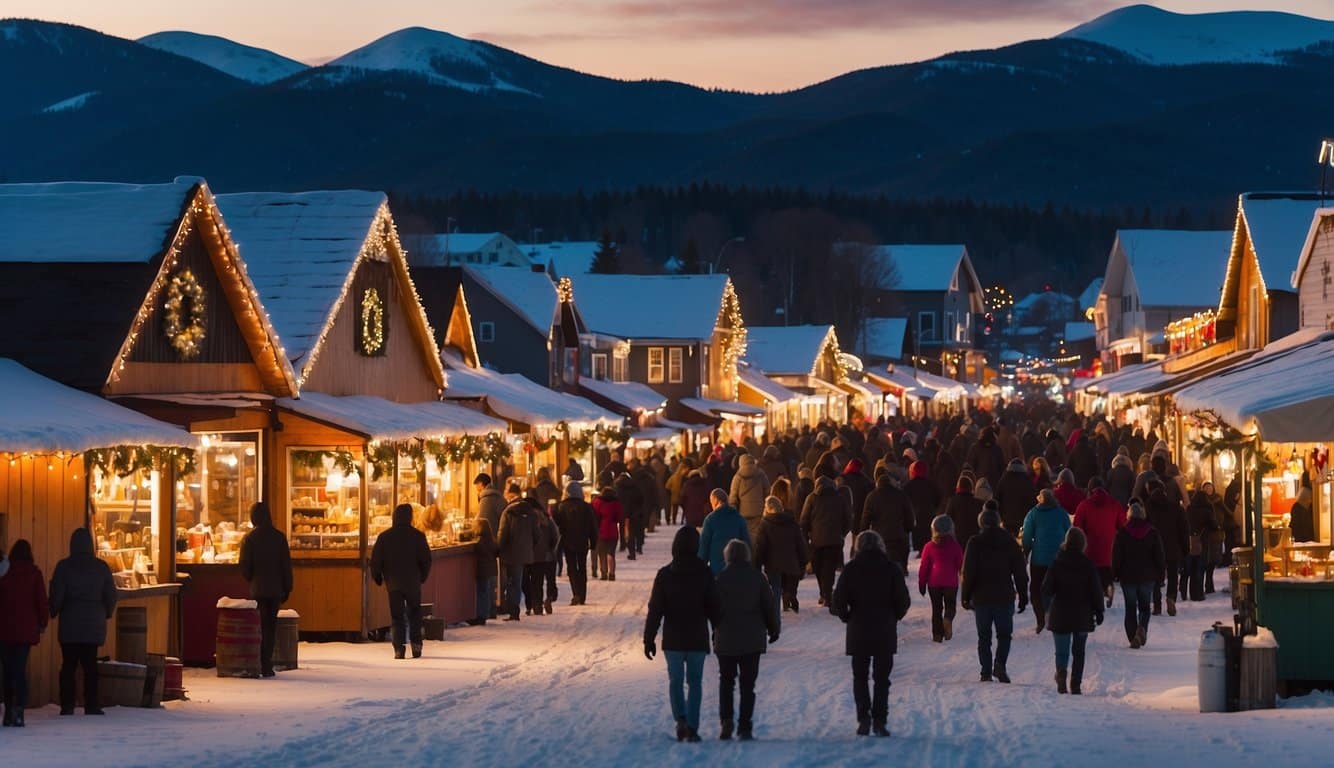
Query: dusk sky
[[745, 44]]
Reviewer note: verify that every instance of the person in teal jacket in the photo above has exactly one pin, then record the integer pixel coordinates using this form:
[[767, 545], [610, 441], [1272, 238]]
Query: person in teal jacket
[[1044, 531], [722, 525]]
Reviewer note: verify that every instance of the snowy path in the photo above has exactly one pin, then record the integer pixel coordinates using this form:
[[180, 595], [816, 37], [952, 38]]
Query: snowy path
[[575, 689]]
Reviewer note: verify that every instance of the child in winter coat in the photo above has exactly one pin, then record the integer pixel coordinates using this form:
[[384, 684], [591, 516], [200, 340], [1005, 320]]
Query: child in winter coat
[[942, 561]]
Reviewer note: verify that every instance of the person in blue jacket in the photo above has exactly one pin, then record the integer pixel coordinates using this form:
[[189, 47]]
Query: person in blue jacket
[[722, 525], [1044, 532]]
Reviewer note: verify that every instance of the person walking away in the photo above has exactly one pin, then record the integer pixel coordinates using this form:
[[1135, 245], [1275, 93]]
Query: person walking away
[[675, 485], [1067, 491], [938, 573], [826, 521], [1121, 478], [987, 460], [684, 602], [1100, 516], [23, 617], [722, 525], [607, 509], [993, 575], [780, 549], [1043, 533], [1015, 496], [1071, 585], [490, 505], [518, 539], [487, 551], [962, 509], [266, 562], [1170, 519], [401, 561], [578, 527], [544, 490], [926, 500], [1201, 523], [747, 617], [871, 597], [749, 487], [889, 512], [694, 499], [573, 471], [542, 573], [83, 597], [1083, 461], [859, 486], [1138, 563], [1214, 543], [636, 517]]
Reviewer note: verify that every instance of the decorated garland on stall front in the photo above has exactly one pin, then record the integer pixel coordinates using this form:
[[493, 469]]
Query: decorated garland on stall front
[[126, 460], [184, 313]]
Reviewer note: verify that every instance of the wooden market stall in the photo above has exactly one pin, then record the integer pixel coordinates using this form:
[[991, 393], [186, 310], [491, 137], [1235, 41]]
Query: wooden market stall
[[52, 438]]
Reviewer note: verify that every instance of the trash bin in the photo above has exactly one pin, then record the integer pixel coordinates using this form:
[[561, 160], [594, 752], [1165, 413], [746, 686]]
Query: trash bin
[[1259, 671], [1212, 671], [286, 639]]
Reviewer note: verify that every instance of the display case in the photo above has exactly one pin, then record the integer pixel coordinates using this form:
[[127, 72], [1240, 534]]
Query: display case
[[324, 502], [213, 502], [125, 517], [446, 519]]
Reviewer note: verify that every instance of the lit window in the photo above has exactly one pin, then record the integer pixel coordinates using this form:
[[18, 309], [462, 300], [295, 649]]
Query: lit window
[[600, 366], [486, 331], [675, 365], [656, 368]]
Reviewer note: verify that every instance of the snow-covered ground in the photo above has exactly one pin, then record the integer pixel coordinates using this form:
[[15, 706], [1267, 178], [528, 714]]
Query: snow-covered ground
[[575, 689]]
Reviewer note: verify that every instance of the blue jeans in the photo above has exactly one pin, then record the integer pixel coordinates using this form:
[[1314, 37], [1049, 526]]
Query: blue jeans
[[685, 668], [1138, 606], [1064, 644], [485, 597], [1001, 617]]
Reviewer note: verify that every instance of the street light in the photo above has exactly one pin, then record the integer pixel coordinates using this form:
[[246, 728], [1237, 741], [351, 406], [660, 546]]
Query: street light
[[717, 264]]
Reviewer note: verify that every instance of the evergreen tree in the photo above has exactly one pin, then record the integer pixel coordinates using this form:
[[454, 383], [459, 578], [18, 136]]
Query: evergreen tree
[[607, 259], [690, 262]]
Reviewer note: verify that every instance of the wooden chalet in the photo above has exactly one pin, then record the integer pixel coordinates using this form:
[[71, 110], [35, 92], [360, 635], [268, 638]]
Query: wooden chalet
[[805, 359]]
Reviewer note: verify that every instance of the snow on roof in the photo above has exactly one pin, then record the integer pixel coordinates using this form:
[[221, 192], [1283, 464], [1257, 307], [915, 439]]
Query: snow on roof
[[791, 349], [1089, 298], [651, 306], [1278, 224], [1079, 331], [722, 408], [882, 338], [628, 394], [84, 222], [513, 397], [38, 415], [1177, 268], [531, 294], [898, 379], [768, 388], [1287, 396], [380, 419], [565, 259], [922, 383], [299, 250], [922, 267]]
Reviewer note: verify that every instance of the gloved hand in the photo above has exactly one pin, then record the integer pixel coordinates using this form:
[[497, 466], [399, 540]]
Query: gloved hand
[[1022, 605], [650, 650], [921, 589], [773, 638], [1097, 619], [967, 605]]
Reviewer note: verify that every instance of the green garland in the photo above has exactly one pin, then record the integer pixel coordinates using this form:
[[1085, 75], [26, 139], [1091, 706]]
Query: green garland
[[343, 460], [584, 442], [491, 447], [126, 460], [1231, 439]]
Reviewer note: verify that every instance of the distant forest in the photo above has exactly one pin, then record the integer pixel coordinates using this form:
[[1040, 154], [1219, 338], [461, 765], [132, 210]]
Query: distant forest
[[789, 231]]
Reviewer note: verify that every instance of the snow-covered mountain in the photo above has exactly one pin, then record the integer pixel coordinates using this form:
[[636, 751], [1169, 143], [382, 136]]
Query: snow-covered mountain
[[438, 56], [255, 65], [1163, 37]]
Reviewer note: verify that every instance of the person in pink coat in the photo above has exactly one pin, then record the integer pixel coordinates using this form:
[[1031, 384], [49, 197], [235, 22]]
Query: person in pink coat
[[1100, 516], [938, 574]]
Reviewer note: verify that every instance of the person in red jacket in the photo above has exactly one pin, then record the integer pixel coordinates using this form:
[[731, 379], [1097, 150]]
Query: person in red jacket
[[1067, 491], [23, 617], [938, 573], [1100, 516], [607, 508]]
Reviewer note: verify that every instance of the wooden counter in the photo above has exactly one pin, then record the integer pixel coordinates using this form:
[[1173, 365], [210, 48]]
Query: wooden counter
[[1300, 613], [207, 583]]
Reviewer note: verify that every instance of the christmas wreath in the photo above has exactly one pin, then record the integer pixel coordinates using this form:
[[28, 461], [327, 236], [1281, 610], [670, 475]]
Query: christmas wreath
[[372, 323], [184, 313]]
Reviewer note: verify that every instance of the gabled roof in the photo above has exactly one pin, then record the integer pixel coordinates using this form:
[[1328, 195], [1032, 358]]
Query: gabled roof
[[302, 250], [651, 306], [69, 222], [882, 338], [1089, 298], [516, 398], [1277, 223], [628, 395], [1312, 231], [924, 267], [767, 388], [792, 349], [530, 294], [564, 259], [1176, 268]]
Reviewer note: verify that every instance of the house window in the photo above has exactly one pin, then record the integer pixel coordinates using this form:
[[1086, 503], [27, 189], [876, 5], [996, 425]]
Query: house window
[[600, 366], [1125, 305], [486, 331], [619, 368], [926, 326], [675, 372], [949, 331], [656, 365]]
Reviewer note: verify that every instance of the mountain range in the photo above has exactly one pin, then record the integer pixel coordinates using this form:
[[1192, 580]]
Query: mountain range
[[1140, 107]]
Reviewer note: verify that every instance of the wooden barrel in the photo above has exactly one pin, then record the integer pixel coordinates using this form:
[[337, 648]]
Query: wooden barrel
[[132, 634], [173, 680], [238, 642], [121, 684], [155, 681], [285, 639]]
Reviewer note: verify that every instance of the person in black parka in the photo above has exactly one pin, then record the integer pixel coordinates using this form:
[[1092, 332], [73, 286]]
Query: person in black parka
[[747, 617], [401, 561], [578, 536], [1015, 496], [1075, 596], [1138, 563], [780, 549], [994, 574], [266, 562], [83, 597], [1166, 515], [871, 598], [684, 602], [889, 512]]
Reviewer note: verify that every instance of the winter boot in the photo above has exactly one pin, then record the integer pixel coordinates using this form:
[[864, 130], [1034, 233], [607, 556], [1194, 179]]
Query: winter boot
[[18, 717], [880, 730], [9, 714], [1060, 680], [416, 651], [796, 608], [1171, 606], [693, 736], [400, 652], [985, 677], [547, 606], [949, 628], [1076, 676], [744, 732], [864, 727], [726, 733], [1001, 675], [1142, 635], [682, 729]]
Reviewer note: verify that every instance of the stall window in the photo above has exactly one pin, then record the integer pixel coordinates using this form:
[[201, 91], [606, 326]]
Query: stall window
[[600, 366], [126, 514], [656, 367], [486, 331], [324, 500], [675, 366], [213, 503]]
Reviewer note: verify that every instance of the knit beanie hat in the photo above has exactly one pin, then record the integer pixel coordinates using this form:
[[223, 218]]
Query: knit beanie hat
[[942, 526]]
